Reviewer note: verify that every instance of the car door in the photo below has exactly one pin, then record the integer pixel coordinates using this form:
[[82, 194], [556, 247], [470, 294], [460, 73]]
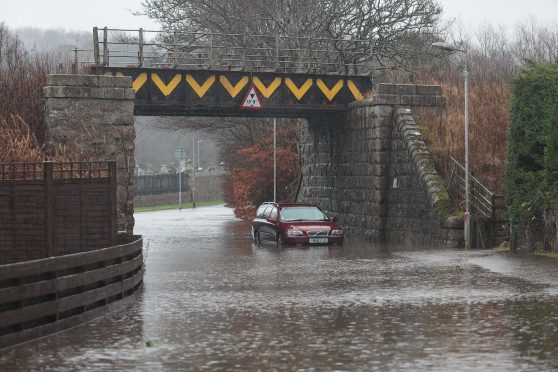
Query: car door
[[267, 229], [258, 221]]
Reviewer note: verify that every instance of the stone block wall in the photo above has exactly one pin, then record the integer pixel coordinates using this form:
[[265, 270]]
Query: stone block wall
[[418, 201], [317, 142], [98, 112], [373, 171]]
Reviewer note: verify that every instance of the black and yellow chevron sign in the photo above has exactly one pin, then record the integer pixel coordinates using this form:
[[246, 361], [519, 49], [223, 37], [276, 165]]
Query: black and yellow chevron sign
[[219, 93]]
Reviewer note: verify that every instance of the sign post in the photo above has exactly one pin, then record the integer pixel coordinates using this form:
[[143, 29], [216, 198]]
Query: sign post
[[253, 101], [180, 154]]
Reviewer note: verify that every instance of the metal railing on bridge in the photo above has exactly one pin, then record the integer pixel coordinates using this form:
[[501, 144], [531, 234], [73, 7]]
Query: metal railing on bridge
[[230, 52]]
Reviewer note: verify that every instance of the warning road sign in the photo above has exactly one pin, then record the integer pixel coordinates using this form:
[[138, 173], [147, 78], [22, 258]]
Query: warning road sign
[[252, 101]]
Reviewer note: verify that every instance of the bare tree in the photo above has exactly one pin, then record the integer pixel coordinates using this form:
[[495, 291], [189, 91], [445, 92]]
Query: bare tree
[[396, 27]]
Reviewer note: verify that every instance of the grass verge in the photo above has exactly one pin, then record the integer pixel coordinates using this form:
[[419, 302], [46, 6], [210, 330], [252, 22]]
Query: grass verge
[[165, 207], [546, 254]]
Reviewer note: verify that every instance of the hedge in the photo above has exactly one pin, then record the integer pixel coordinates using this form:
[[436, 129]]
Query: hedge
[[532, 168]]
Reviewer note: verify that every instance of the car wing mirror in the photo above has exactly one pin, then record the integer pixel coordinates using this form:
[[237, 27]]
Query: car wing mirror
[[272, 219], [333, 219]]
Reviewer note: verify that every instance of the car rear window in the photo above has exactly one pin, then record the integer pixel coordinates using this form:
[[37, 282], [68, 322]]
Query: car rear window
[[302, 214], [260, 212], [267, 212]]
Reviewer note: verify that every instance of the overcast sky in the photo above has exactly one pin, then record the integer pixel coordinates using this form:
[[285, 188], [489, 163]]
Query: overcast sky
[[83, 15]]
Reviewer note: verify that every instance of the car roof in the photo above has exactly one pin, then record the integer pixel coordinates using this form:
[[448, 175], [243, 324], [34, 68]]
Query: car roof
[[283, 205]]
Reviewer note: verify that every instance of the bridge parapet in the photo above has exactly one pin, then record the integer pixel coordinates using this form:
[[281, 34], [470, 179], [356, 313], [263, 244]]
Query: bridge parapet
[[229, 52], [409, 95]]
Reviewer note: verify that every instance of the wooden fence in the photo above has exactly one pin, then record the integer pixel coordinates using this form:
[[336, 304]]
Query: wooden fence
[[48, 295], [52, 209]]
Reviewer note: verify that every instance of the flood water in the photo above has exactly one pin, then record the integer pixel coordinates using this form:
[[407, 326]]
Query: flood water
[[213, 300]]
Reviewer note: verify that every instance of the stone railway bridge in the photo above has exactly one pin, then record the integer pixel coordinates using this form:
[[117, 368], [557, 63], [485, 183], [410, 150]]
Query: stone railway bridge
[[367, 164], [363, 160]]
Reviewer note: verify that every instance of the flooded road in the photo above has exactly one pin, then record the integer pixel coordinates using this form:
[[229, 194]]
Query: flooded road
[[214, 301]]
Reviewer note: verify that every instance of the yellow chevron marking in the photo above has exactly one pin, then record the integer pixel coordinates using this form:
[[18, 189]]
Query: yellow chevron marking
[[119, 74], [200, 89], [166, 89], [266, 91], [139, 81], [298, 92], [108, 73], [353, 88], [329, 93], [233, 90]]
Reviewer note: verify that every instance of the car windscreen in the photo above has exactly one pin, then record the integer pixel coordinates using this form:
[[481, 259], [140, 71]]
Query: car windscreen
[[302, 214]]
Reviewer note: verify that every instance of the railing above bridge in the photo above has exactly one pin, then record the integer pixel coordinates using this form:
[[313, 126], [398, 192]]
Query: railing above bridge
[[229, 52]]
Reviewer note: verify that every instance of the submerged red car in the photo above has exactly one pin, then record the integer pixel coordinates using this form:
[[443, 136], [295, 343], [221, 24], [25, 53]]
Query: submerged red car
[[289, 224]]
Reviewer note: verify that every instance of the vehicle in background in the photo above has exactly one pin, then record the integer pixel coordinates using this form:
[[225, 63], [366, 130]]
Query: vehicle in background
[[288, 224]]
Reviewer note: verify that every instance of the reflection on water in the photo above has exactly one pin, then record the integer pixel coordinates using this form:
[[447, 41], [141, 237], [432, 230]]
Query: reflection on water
[[213, 300]]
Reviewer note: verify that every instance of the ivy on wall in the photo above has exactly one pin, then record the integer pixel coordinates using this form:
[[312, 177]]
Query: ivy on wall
[[532, 169]]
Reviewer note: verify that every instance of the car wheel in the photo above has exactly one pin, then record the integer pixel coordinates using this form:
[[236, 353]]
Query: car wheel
[[257, 238], [280, 240]]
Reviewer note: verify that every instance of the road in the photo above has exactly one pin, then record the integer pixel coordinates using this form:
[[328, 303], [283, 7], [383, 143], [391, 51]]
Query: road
[[213, 300]]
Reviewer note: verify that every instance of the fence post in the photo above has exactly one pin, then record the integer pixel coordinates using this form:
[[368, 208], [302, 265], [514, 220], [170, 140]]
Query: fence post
[[112, 201], [244, 50], [210, 53], [372, 44], [75, 65], [277, 52], [49, 209], [105, 47], [96, 46], [309, 55], [175, 51], [140, 47]]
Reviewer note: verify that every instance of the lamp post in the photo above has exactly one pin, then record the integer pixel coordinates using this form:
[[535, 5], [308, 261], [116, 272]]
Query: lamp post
[[193, 171], [179, 155], [467, 215], [199, 163], [274, 159]]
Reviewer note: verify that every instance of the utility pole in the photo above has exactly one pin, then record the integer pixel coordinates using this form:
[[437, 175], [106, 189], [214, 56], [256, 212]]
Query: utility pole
[[179, 185], [193, 171], [274, 160], [467, 214], [180, 155]]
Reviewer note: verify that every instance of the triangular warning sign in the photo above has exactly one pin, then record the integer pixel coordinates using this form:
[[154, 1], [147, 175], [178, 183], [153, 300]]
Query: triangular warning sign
[[252, 100]]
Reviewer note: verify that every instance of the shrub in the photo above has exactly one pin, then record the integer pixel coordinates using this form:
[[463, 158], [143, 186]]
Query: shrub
[[532, 169], [22, 78]]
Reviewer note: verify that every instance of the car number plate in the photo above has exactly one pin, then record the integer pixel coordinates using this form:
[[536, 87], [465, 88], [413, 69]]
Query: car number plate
[[318, 240]]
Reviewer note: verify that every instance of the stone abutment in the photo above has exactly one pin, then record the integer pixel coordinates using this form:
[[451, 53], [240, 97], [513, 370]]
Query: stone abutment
[[98, 113], [373, 171]]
